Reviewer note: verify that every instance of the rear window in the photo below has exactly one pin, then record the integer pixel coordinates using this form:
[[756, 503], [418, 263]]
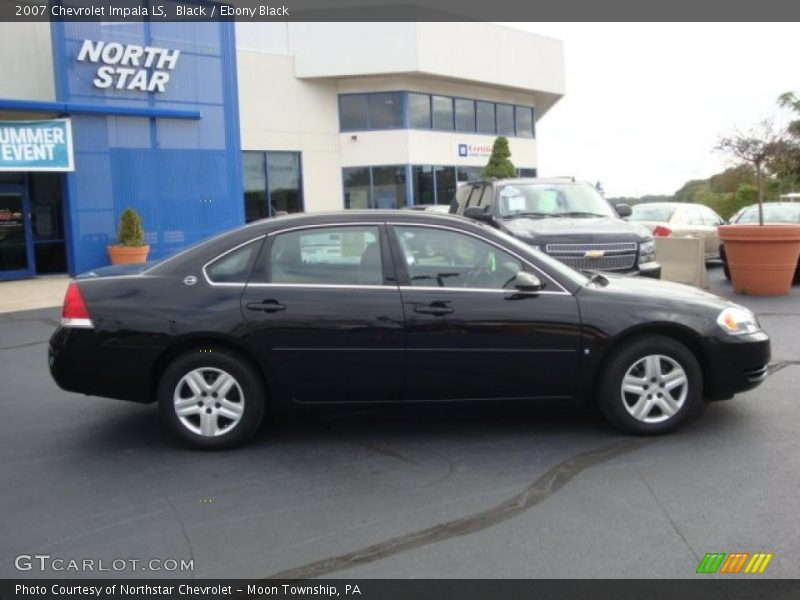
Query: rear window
[[776, 213], [661, 214]]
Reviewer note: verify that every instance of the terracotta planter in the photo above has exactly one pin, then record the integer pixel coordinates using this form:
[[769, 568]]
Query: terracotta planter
[[762, 258], [128, 255]]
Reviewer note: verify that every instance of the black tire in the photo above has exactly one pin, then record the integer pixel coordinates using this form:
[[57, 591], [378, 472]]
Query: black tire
[[612, 400], [247, 391]]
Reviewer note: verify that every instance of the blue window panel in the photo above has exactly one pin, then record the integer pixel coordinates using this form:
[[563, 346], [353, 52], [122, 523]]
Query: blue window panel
[[485, 117], [505, 120], [353, 112], [419, 111], [465, 115], [443, 113], [386, 110], [523, 116]]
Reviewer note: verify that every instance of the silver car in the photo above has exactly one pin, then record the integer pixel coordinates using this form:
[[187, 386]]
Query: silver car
[[681, 219]]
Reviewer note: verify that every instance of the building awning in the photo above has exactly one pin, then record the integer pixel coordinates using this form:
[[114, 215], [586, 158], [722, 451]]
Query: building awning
[[74, 108]]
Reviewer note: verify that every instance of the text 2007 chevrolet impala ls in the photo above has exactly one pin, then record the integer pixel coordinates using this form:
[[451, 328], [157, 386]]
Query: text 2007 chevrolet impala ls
[[377, 307]]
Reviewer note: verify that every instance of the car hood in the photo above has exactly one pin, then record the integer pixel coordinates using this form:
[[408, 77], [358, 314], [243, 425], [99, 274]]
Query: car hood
[[574, 230], [653, 291]]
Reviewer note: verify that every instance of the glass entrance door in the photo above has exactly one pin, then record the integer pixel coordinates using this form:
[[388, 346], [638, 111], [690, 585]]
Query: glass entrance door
[[15, 239]]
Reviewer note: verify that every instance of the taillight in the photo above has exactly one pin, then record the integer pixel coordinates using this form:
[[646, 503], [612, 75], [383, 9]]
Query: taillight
[[74, 312], [661, 231]]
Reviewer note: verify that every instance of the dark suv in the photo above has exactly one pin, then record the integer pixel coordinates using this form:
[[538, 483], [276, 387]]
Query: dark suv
[[566, 219]]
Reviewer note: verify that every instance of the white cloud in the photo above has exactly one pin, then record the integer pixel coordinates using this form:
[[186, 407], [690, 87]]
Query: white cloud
[[646, 102]]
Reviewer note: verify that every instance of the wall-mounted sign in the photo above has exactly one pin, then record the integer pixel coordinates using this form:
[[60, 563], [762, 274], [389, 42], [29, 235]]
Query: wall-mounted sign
[[36, 145], [472, 150], [128, 66]]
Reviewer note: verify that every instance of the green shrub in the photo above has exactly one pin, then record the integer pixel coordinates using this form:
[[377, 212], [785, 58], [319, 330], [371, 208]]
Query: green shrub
[[130, 229], [500, 165]]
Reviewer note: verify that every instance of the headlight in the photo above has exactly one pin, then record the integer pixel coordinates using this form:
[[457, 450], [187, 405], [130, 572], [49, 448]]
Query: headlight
[[737, 321], [647, 251], [648, 247]]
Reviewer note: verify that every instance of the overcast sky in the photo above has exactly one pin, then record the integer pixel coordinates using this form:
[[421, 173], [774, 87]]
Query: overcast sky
[[645, 103]]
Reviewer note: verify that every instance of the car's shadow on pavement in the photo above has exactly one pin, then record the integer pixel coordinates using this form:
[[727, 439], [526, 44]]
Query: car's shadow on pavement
[[135, 426], [370, 426]]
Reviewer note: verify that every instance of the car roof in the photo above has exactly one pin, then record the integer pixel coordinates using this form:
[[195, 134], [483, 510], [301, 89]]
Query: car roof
[[676, 204], [376, 215], [512, 180]]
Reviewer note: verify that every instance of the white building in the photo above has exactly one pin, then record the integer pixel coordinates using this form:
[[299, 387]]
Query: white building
[[390, 114]]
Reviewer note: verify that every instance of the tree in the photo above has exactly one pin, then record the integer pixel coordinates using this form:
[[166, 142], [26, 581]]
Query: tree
[[500, 165], [755, 147], [786, 161]]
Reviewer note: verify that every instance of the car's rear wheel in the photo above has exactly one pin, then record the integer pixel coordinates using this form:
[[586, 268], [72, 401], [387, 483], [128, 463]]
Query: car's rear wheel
[[211, 399], [651, 385]]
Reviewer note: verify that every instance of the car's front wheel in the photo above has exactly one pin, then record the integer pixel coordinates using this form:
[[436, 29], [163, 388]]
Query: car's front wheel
[[212, 399], [651, 385]]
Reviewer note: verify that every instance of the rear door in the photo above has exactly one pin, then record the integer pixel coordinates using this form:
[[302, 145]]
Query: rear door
[[470, 334], [323, 310]]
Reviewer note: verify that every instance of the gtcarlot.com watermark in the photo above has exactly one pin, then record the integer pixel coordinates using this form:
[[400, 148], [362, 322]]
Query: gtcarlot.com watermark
[[47, 562]]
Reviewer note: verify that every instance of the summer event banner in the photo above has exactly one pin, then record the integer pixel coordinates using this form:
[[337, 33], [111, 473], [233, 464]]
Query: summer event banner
[[36, 145]]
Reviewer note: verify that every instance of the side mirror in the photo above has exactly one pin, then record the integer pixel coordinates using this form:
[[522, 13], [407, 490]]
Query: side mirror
[[624, 210], [476, 213], [527, 282]]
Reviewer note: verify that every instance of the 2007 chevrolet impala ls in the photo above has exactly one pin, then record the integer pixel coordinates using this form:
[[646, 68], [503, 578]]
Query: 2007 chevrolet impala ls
[[377, 307]]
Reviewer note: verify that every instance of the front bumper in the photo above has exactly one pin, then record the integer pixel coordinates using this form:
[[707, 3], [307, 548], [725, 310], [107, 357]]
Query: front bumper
[[651, 269], [736, 364]]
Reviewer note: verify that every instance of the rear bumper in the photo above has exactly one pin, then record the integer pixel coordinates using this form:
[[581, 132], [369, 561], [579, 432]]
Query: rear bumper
[[80, 363], [736, 365]]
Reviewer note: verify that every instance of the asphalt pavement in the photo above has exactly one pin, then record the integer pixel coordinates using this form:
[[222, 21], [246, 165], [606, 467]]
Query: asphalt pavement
[[438, 491]]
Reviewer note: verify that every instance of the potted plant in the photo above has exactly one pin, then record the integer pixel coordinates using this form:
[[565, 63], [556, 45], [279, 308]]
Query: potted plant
[[130, 247], [761, 258]]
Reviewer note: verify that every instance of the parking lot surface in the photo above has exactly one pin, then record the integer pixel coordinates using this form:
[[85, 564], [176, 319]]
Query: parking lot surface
[[435, 491]]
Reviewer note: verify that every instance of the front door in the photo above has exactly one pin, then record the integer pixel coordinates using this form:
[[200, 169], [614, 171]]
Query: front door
[[324, 313], [469, 334], [15, 234]]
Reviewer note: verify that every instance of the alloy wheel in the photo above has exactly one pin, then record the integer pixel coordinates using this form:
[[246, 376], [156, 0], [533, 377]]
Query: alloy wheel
[[208, 401], [654, 388]]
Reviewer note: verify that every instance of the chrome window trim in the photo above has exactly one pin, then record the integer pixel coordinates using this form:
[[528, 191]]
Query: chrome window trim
[[524, 260], [411, 288], [346, 286], [219, 256], [376, 224]]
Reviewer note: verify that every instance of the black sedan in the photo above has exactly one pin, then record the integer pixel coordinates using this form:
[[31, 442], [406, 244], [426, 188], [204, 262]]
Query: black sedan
[[384, 307]]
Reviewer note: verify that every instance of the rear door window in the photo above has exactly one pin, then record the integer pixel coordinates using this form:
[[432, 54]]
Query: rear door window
[[234, 266], [346, 255]]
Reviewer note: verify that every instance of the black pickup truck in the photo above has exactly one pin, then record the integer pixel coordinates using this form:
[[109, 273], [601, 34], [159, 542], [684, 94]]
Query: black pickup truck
[[567, 219]]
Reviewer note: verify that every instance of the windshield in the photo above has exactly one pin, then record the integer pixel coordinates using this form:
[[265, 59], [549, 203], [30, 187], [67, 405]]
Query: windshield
[[773, 213], [551, 200], [652, 212]]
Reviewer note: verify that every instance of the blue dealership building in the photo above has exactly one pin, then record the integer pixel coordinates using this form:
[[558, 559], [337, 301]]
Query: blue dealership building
[[201, 127]]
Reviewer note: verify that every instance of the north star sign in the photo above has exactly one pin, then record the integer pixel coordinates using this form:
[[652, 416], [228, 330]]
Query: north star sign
[[128, 66]]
